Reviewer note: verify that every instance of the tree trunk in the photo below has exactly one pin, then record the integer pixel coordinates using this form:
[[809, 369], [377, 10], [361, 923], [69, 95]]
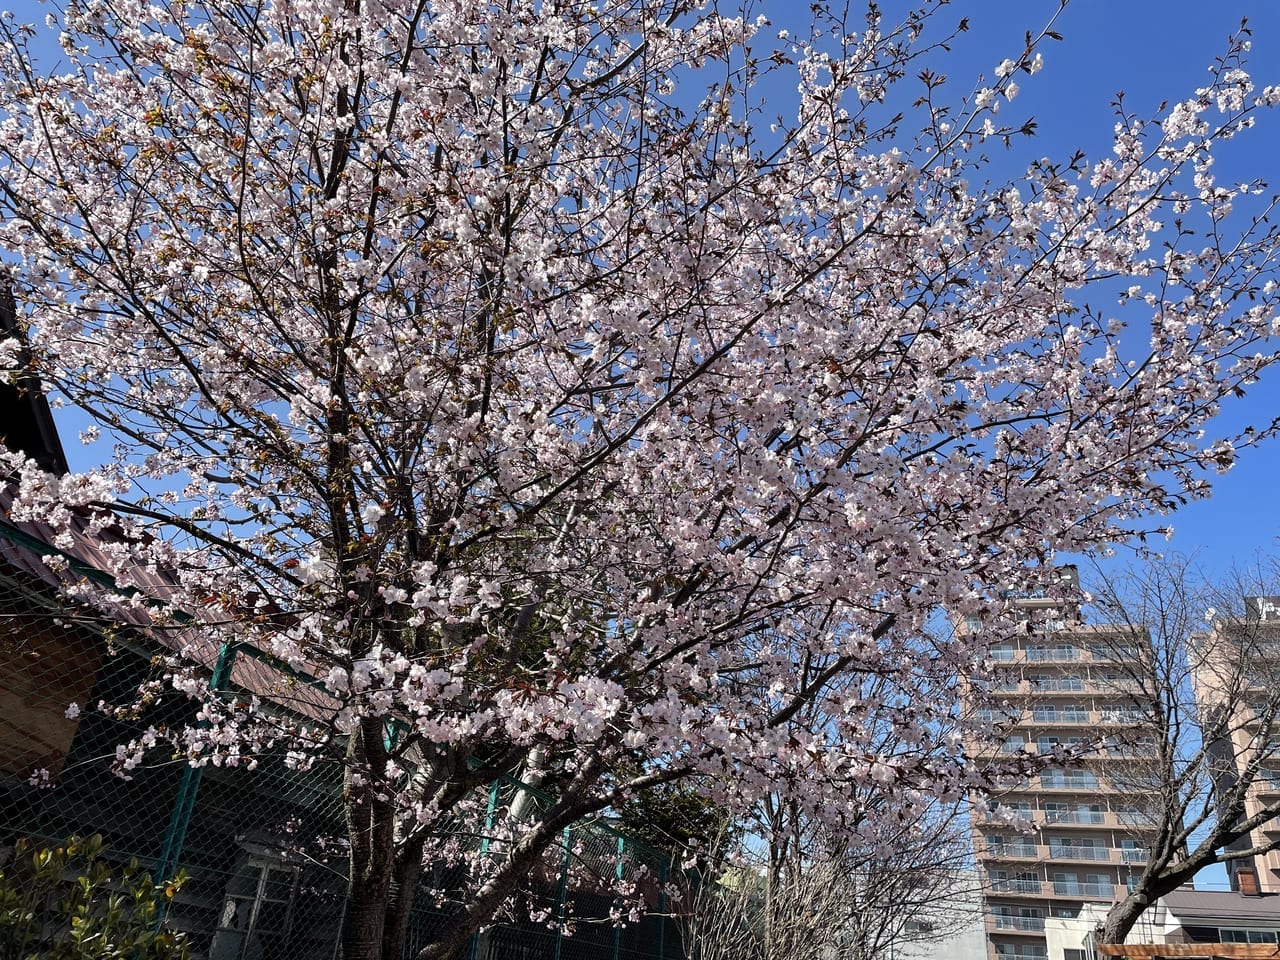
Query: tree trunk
[[364, 921], [371, 833], [1122, 917], [399, 905]]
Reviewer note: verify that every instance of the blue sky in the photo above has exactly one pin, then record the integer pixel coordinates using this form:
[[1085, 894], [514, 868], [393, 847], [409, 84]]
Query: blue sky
[[1155, 50], [1152, 50]]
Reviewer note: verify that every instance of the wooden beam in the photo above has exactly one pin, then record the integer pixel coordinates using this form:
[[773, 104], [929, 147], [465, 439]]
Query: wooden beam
[[1168, 951]]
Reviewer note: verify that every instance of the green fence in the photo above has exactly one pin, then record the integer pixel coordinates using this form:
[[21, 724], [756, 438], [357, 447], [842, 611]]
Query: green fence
[[264, 848]]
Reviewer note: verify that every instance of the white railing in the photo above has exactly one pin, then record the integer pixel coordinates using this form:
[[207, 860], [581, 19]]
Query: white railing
[[1013, 850], [1015, 886], [1075, 816], [1067, 888], [1063, 852], [1019, 923]]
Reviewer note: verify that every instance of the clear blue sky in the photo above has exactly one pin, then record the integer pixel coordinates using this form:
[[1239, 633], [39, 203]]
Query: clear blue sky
[[1153, 50]]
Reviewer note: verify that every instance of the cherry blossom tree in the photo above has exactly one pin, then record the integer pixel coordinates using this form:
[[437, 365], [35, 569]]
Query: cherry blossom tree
[[507, 369]]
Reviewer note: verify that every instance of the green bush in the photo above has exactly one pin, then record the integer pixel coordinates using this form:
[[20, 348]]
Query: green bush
[[65, 903]]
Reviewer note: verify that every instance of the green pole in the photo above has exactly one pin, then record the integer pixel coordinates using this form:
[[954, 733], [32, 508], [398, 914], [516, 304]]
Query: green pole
[[617, 927], [662, 910], [488, 817], [176, 833], [562, 894], [473, 949]]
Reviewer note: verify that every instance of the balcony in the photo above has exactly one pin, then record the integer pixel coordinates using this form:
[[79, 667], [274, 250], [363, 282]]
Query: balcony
[[1002, 810], [1128, 752], [1057, 685], [1134, 856], [1113, 653], [1055, 718], [1075, 816], [1133, 818], [1123, 718], [1052, 654], [1059, 851], [1267, 781], [1069, 888], [1005, 955], [1049, 782], [1017, 851], [1015, 886], [1117, 685], [1026, 924]]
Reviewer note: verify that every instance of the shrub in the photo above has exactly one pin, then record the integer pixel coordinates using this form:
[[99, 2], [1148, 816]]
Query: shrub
[[67, 903]]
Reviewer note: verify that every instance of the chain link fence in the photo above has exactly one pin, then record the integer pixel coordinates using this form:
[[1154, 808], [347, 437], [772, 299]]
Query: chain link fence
[[263, 849]]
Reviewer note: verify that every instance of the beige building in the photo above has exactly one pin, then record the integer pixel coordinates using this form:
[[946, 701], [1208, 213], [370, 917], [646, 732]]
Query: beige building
[[1237, 670], [1061, 685]]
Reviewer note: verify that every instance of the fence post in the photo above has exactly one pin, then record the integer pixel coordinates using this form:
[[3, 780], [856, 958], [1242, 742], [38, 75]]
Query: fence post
[[562, 893], [617, 927], [473, 948], [662, 910], [175, 834]]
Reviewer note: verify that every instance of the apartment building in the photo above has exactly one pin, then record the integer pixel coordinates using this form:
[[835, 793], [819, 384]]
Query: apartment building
[[1061, 685], [1237, 671]]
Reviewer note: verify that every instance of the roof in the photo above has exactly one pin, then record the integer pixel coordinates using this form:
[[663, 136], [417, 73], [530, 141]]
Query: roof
[[26, 546], [28, 422], [1213, 907]]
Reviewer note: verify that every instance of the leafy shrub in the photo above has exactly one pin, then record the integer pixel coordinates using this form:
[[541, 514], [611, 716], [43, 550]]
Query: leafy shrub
[[66, 903]]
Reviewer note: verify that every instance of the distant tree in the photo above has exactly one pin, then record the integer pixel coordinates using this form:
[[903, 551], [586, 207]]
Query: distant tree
[[856, 901], [1201, 678], [506, 368], [880, 881], [676, 819]]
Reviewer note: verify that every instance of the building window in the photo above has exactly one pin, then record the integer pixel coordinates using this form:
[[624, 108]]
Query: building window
[[1122, 714], [1246, 936], [1078, 849], [1131, 851], [1113, 651], [1044, 713], [257, 913], [1026, 951]]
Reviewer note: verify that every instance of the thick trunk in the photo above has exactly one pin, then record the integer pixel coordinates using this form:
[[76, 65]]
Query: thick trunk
[[371, 833], [1122, 918], [364, 922], [400, 899]]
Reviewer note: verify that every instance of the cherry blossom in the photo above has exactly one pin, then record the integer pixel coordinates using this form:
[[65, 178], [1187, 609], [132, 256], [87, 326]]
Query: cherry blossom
[[504, 372]]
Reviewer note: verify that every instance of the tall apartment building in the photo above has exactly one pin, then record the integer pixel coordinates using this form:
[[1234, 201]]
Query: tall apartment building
[[1238, 671], [1062, 683]]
